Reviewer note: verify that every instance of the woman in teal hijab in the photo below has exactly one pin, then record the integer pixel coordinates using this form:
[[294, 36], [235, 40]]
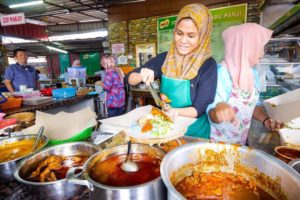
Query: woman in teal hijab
[[187, 72]]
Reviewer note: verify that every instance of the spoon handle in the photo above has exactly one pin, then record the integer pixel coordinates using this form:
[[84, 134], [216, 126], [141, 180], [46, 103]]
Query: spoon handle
[[128, 150], [41, 130]]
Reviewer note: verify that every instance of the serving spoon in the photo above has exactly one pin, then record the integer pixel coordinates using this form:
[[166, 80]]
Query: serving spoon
[[128, 165], [38, 137]]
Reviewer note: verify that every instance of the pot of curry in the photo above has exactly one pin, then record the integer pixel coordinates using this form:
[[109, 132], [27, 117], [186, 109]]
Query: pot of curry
[[107, 181], [223, 171], [45, 172], [13, 150]]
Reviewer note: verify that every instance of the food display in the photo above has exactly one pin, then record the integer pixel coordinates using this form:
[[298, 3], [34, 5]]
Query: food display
[[18, 149], [219, 185], [168, 146], [108, 172], [156, 123], [207, 170], [54, 168]]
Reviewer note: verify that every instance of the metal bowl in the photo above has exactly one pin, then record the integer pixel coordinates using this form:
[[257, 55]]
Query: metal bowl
[[281, 180], [152, 190], [60, 189], [7, 168]]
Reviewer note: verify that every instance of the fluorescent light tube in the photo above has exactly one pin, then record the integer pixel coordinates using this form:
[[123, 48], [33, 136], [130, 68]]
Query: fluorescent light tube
[[56, 49], [78, 36], [31, 3]]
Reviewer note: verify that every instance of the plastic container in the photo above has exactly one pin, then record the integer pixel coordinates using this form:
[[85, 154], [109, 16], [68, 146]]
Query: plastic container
[[47, 92], [11, 103], [7, 122], [28, 95], [64, 93], [86, 133]]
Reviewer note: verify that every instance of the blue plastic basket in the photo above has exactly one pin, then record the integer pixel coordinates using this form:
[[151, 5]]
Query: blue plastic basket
[[63, 93]]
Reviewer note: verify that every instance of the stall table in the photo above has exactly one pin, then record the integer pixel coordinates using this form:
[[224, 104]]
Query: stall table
[[68, 105]]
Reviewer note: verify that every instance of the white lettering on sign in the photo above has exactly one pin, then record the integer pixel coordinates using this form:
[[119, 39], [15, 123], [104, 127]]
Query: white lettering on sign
[[13, 19]]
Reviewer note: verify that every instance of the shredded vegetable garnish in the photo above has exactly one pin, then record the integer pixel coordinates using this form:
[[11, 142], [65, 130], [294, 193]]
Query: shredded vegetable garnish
[[155, 123]]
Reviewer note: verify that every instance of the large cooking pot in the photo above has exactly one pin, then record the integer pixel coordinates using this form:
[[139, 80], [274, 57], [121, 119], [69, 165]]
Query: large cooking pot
[[281, 180], [152, 190], [7, 168], [60, 189]]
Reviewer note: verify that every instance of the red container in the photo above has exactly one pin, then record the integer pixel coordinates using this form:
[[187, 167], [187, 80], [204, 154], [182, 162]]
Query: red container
[[11, 103], [46, 92]]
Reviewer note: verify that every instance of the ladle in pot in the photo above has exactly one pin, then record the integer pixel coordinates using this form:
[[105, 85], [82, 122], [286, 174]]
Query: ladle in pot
[[128, 165], [38, 137]]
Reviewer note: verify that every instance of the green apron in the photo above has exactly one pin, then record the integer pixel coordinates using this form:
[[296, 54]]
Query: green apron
[[178, 91]]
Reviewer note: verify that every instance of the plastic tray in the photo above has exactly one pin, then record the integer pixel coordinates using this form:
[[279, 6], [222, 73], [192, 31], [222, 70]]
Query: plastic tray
[[64, 93], [36, 101], [35, 93], [86, 133]]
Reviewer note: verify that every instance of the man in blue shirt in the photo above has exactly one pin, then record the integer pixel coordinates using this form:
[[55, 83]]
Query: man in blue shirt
[[20, 73]]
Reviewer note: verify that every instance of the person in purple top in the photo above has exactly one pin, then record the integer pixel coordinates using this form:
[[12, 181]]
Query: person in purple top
[[114, 87], [20, 73]]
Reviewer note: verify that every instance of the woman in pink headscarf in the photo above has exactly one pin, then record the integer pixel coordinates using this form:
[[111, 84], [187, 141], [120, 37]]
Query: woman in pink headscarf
[[237, 88], [114, 86]]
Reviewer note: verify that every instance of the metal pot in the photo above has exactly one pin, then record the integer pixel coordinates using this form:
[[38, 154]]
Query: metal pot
[[60, 189], [179, 163], [295, 164], [7, 168], [152, 190]]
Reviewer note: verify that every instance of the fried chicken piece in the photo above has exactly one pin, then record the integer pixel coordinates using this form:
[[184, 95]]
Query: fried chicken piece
[[54, 161], [156, 111], [51, 177]]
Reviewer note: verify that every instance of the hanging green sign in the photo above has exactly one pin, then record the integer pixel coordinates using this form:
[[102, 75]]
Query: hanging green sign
[[222, 19], [91, 61]]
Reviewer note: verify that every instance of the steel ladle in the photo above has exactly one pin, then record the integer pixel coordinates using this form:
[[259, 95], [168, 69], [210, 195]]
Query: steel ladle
[[128, 165], [38, 137]]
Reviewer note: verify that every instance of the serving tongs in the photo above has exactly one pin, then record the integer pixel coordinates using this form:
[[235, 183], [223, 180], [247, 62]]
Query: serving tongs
[[155, 96]]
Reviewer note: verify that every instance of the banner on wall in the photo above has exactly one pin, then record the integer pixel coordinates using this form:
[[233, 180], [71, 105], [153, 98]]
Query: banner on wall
[[91, 61], [64, 62], [12, 19], [165, 27], [222, 18]]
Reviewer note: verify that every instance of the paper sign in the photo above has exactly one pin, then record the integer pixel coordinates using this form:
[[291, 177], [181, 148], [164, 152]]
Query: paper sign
[[118, 48], [285, 107], [13, 19]]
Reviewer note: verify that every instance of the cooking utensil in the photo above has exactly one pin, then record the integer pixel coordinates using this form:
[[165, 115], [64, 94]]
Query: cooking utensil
[[152, 190], [155, 96], [60, 189], [7, 168], [8, 131], [37, 140], [128, 165], [230, 158]]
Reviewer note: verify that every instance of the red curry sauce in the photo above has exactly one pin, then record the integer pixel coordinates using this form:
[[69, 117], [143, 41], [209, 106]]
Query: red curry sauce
[[219, 185], [108, 172]]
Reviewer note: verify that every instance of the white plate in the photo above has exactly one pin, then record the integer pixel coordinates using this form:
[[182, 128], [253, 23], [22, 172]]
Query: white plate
[[126, 121]]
